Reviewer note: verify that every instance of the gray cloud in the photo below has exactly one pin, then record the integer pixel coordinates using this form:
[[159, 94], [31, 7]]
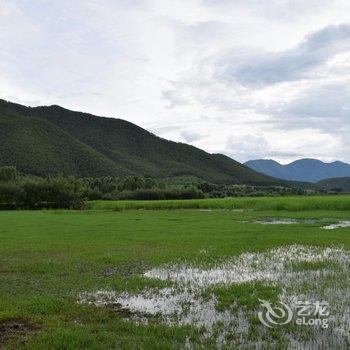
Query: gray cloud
[[274, 9], [324, 107], [246, 147], [190, 136], [265, 68], [176, 67], [329, 101], [203, 30], [253, 146], [175, 98]]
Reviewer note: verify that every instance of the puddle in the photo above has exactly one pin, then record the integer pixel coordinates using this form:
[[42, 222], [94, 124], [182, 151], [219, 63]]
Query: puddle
[[174, 307], [183, 303], [247, 267], [340, 224], [283, 221], [235, 210], [277, 222], [337, 335]]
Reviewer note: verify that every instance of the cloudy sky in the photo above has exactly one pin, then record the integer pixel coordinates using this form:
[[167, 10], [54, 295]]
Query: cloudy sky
[[248, 78]]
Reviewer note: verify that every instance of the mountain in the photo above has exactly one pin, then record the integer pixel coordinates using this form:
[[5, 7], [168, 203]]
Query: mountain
[[38, 147], [309, 170], [53, 140], [337, 183]]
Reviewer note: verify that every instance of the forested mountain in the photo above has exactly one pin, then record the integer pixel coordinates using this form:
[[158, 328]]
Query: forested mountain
[[38, 147], [336, 183], [309, 170], [52, 140]]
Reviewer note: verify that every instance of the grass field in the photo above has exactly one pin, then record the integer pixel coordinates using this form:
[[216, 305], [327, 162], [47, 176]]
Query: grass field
[[172, 279], [295, 203]]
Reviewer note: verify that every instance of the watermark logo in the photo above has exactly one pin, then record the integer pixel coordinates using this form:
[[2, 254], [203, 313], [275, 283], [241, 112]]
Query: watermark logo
[[301, 313], [274, 315]]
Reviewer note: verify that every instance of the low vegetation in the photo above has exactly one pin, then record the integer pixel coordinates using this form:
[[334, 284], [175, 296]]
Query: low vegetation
[[287, 203], [53, 261]]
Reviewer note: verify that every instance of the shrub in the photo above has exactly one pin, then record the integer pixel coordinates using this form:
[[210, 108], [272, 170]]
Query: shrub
[[157, 194], [9, 194], [55, 193], [8, 174], [65, 193], [93, 194]]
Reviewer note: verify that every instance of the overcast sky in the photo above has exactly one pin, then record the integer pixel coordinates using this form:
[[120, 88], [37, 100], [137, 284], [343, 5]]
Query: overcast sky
[[248, 78]]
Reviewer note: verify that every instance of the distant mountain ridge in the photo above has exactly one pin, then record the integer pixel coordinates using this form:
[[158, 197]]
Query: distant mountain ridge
[[52, 140], [309, 170]]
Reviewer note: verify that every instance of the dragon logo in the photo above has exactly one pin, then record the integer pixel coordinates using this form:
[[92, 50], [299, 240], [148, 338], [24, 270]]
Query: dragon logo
[[273, 316]]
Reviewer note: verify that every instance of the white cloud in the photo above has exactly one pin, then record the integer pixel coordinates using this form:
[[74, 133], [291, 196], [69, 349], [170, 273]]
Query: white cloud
[[247, 78], [303, 61], [325, 106], [190, 136]]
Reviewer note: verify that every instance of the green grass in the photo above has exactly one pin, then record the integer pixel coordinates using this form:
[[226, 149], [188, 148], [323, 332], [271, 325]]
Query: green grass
[[48, 257], [243, 296], [292, 203]]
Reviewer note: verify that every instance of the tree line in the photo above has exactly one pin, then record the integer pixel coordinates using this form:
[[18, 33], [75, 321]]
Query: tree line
[[19, 191]]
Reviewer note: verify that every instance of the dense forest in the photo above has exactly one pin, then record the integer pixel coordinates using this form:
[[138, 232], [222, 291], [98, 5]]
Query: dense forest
[[52, 157], [21, 191], [51, 141]]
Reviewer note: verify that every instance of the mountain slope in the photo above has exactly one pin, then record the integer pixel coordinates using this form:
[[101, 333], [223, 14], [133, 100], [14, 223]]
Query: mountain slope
[[337, 183], [143, 152], [38, 147], [269, 167], [310, 170], [117, 146]]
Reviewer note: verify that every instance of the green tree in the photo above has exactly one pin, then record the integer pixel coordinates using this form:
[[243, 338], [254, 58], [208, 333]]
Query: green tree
[[8, 173]]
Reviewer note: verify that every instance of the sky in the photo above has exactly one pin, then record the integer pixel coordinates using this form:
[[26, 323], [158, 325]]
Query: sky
[[247, 78]]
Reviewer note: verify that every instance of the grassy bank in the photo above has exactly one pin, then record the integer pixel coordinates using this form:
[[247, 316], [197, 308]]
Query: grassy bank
[[295, 203]]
